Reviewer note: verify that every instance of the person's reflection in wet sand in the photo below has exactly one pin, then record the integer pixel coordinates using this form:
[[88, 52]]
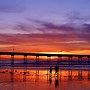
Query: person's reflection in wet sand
[[50, 80], [56, 82]]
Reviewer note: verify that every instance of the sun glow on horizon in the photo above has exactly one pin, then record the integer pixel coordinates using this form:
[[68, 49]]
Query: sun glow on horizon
[[56, 52]]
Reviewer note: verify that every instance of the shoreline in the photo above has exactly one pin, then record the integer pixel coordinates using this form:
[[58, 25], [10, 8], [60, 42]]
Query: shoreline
[[80, 67]]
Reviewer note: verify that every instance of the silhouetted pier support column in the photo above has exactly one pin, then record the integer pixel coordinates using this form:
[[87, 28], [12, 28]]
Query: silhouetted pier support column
[[12, 60], [49, 64], [49, 60], [25, 59], [59, 60], [88, 60], [0, 61], [80, 60], [70, 60], [37, 59]]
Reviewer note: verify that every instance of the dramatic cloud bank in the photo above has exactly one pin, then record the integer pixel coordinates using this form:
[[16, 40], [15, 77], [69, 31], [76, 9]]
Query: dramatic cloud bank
[[45, 26]]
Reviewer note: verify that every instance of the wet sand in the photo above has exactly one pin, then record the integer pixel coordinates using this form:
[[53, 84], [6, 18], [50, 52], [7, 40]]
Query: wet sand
[[40, 79]]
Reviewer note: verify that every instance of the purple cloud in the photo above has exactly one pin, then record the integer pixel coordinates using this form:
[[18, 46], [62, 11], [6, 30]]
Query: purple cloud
[[57, 41], [81, 32]]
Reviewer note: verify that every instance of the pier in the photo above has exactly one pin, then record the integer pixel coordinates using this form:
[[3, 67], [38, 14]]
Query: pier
[[59, 60]]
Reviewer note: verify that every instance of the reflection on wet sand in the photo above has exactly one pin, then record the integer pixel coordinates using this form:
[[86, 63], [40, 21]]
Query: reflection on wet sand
[[63, 74], [43, 76]]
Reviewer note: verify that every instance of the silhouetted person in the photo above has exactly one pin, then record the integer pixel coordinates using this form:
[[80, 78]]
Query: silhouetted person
[[56, 69], [51, 70]]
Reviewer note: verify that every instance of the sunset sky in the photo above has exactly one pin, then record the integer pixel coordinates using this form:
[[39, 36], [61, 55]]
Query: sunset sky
[[45, 26]]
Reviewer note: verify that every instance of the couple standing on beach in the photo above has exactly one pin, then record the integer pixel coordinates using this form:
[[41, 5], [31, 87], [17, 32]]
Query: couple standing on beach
[[56, 69]]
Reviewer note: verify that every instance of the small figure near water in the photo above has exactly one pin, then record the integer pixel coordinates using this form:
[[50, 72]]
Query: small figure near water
[[51, 70], [56, 70]]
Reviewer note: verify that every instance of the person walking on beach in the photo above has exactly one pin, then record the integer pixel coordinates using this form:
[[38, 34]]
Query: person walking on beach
[[56, 69], [51, 70]]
